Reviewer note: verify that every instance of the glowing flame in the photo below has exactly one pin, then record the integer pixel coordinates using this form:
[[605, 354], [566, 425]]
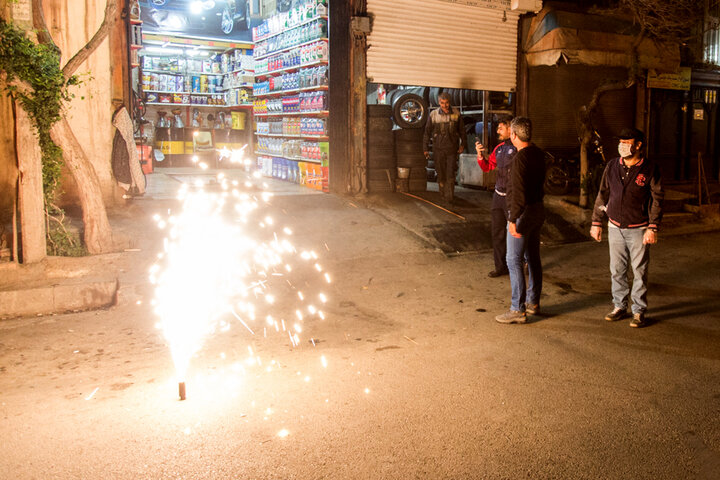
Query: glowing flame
[[220, 267]]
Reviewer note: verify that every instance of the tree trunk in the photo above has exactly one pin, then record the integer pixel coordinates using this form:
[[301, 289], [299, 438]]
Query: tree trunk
[[97, 233], [30, 192], [586, 129]]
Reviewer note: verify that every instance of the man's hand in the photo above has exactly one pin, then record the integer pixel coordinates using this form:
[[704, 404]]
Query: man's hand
[[513, 230], [461, 149], [649, 237], [596, 233], [479, 147]]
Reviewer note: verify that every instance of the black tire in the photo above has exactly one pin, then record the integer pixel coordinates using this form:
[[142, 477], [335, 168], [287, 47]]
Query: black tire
[[557, 181], [408, 135], [379, 124], [379, 111], [410, 111], [404, 148], [411, 161], [381, 144], [379, 182]]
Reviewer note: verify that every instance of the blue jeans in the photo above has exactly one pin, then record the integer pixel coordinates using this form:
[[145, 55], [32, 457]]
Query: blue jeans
[[627, 249], [526, 248]]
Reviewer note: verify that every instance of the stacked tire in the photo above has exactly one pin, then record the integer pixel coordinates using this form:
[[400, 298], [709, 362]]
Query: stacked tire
[[409, 153], [382, 167]]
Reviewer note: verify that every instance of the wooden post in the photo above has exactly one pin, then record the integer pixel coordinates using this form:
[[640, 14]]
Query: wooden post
[[358, 108], [30, 193]]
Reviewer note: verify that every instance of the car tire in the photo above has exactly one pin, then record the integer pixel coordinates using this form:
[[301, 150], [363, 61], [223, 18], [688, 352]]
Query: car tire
[[410, 111]]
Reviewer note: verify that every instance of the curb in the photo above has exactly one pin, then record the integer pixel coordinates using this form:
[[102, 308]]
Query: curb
[[58, 298]]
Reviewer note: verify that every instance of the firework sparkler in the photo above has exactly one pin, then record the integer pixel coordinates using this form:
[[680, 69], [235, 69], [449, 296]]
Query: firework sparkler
[[226, 264]]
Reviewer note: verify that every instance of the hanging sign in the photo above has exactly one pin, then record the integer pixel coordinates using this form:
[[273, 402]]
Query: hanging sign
[[670, 81]]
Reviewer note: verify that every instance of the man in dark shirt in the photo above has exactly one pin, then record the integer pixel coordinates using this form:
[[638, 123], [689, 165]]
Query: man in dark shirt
[[500, 160], [446, 129], [525, 218], [631, 195]]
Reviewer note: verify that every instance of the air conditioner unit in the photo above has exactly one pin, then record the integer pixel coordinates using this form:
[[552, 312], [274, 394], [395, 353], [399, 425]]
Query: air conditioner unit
[[526, 5]]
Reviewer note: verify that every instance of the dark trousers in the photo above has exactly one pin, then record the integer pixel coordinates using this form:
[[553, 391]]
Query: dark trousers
[[498, 229], [446, 168]]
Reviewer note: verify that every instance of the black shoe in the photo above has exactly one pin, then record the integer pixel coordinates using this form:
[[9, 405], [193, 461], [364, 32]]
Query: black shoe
[[638, 320], [497, 273], [616, 314]]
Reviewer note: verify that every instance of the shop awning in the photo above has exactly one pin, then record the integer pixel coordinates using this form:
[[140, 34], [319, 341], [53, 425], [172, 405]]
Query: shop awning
[[557, 36]]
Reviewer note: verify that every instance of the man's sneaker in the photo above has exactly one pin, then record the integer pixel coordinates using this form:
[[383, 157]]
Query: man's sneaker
[[532, 308], [638, 320], [616, 314], [497, 273], [512, 316]]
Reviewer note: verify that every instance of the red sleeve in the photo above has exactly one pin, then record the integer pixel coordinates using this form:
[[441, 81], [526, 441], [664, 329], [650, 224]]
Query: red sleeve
[[490, 163]]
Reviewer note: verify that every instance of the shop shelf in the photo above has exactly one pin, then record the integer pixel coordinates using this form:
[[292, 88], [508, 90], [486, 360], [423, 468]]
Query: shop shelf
[[204, 73], [287, 49], [267, 37], [182, 93], [248, 70], [286, 92], [244, 85], [244, 105], [319, 113], [296, 159], [166, 72], [306, 137], [291, 69]]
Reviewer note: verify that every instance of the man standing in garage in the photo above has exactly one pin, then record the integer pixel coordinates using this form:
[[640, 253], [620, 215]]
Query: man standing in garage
[[500, 160], [446, 129]]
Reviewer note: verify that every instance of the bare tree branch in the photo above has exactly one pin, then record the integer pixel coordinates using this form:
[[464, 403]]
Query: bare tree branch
[[111, 10], [40, 25]]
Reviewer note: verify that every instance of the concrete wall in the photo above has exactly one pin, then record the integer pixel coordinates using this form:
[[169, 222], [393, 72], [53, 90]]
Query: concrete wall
[[72, 23]]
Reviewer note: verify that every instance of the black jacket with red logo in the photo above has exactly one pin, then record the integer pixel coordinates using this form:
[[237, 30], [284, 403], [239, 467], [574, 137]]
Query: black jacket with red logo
[[635, 202]]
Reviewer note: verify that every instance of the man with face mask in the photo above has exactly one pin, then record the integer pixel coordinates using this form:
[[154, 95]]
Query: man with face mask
[[631, 196], [446, 129], [500, 160]]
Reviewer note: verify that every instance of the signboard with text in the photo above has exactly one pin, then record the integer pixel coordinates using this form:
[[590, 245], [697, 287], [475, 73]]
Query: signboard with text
[[670, 81]]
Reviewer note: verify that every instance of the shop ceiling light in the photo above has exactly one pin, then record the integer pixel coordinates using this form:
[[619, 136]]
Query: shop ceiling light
[[166, 51]]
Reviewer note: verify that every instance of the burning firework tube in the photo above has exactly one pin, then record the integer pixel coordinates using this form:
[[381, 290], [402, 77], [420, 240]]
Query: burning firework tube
[[181, 389]]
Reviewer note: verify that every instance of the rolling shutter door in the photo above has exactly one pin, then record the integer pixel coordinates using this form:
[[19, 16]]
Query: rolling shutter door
[[442, 44], [556, 95]]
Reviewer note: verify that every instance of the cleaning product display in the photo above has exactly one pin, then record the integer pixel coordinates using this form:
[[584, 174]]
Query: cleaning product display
[[219, 80]]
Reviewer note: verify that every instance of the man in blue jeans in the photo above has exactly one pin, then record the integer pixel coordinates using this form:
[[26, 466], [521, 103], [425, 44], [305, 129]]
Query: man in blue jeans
[[631, 196], [526, 215]]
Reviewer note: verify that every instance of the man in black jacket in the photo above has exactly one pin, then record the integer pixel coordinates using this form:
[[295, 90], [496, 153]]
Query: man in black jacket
[[631, 195], [525, 218]]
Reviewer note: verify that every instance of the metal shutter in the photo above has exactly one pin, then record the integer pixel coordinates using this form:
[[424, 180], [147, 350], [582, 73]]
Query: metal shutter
[[442, 44], [556, 94]]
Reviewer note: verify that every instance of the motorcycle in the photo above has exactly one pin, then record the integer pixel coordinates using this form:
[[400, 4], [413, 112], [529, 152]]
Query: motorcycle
[[562, 171]]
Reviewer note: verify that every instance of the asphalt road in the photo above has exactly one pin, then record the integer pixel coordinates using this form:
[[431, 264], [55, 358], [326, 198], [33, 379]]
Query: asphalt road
[[409, 375]]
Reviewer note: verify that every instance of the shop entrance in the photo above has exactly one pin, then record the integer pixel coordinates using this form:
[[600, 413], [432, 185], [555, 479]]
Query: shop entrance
[[232, 83]]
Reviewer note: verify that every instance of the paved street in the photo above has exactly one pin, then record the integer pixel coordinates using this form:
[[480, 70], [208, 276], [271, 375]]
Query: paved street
[[419, 380]]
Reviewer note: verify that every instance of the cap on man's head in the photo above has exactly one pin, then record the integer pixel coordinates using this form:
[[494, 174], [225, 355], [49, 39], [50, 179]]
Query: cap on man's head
[[632, 134]]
